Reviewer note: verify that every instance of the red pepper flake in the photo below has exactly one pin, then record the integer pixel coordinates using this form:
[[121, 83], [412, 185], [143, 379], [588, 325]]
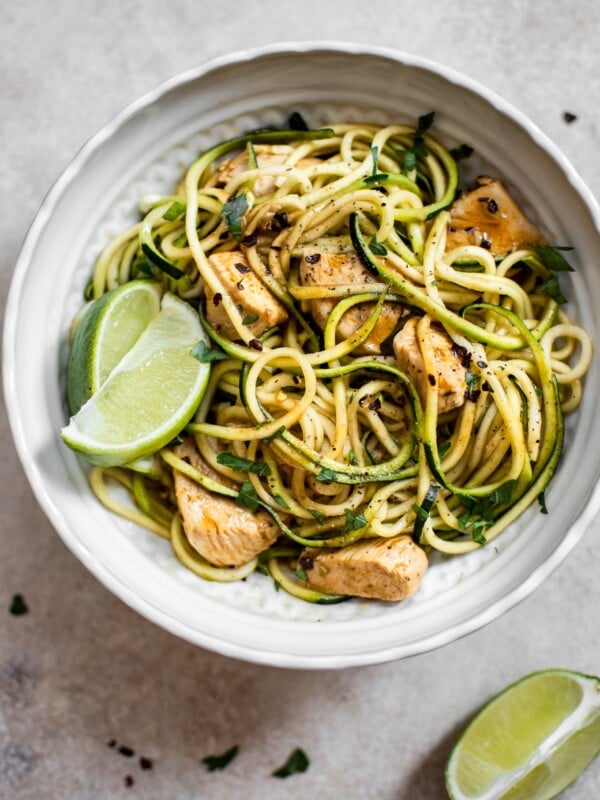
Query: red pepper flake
[[306, 562], [129, 781], [462, 354], [128, 752], [146, 763], [241, 267], [313, 258], [481, 364], [492, 206], [485, 243], [375, 405], [431, 379], [569, 117], [217, 299], [112, 743], [240, 285], [255, 344]]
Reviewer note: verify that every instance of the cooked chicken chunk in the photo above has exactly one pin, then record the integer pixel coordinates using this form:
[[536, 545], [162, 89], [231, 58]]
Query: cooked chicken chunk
[[266, 156], [488, 216], [449, 374], [322, 269], [248, 292], [224, 533], [383, 569]]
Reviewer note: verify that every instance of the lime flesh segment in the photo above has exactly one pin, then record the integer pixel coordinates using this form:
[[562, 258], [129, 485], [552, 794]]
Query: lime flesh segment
[[108, 329], [149, 396], [530, 741]]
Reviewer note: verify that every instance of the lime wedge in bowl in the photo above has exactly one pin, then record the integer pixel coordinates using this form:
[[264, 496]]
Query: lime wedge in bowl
[[530, 741], [149, 396], [108, 329]]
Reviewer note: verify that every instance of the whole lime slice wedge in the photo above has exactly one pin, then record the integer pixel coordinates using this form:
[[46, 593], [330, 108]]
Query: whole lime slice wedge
[[149, 396], [530, 741], [108, 329]]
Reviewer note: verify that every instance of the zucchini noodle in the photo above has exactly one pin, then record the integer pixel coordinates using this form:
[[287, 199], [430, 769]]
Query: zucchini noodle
[[345, 441]]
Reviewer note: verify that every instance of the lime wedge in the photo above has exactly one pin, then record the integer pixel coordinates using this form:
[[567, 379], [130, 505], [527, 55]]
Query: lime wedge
[[530, 741], [149, 396], [108, 329]]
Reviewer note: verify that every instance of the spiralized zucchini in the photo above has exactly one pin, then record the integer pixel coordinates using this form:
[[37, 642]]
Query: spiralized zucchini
[[352, 447]]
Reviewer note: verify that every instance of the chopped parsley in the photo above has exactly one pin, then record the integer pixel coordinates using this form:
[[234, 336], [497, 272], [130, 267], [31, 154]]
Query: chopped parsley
[[281, 501], [551, 287], [275, 435], [233, 212], [326, 474], [220, 762], [354, 522], [554, 261], [247, 496], [297, 761], [481, 513], [471, 379], [542, 502], [243, 464], [301, 574], [205, 354], [411, 155], [249, 319], [318, 515]]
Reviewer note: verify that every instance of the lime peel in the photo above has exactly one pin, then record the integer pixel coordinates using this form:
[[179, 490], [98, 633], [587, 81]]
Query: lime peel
[[150, 395], [530, 741]]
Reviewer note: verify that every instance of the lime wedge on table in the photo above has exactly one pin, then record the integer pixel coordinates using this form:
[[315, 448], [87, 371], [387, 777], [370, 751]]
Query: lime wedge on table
[[149, 396], [108, 329], [530, 741]]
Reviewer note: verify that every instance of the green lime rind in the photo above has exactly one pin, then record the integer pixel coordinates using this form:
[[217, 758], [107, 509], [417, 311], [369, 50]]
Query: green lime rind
[[149, 396], [530, 741], [108, 329]]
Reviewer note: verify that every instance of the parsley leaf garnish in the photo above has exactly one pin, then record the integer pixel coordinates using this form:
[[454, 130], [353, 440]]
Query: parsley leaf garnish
[[203, 353], [471, 379], [326, 474], [247, 496], [301, 574], [232, 212], [297, 762], [174, 210], [249, 319], [281, 501], [220, 762], [243, 464], [551, 287], [354, 522], [318, 515], [418, 150], [552, 257], [542, 502]]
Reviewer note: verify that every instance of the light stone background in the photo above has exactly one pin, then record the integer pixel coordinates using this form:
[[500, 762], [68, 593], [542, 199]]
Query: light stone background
[[81, 668]]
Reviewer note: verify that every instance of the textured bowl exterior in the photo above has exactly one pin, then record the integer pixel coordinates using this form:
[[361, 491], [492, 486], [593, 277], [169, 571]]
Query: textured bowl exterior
[[142, 151]]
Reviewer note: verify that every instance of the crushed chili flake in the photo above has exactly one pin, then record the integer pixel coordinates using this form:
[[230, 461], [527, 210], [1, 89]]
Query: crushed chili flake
[[128, 752], [240, 285], [569, 117], [492, 205], [313, 258], [241, 267], [129, 781], [146, 763], [217, 299], [462, 354], [375, 405], [485, 243], [431, 379], [306, 562], [255, 344]]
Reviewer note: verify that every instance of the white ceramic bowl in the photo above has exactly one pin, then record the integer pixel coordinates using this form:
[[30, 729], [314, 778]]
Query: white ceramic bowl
[[142, 151]]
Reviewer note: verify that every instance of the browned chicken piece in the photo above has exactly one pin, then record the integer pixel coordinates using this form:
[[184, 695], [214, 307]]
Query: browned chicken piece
[[247, 291], [487, 216], [450, 372], [381, 569], [266, 156], [322, 269], [224, 533]]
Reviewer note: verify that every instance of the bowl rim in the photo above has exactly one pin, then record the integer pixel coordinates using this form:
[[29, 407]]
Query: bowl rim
[[147, 609]]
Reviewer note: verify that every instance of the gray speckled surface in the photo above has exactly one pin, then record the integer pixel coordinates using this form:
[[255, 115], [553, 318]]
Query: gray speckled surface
[[80, 668]]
